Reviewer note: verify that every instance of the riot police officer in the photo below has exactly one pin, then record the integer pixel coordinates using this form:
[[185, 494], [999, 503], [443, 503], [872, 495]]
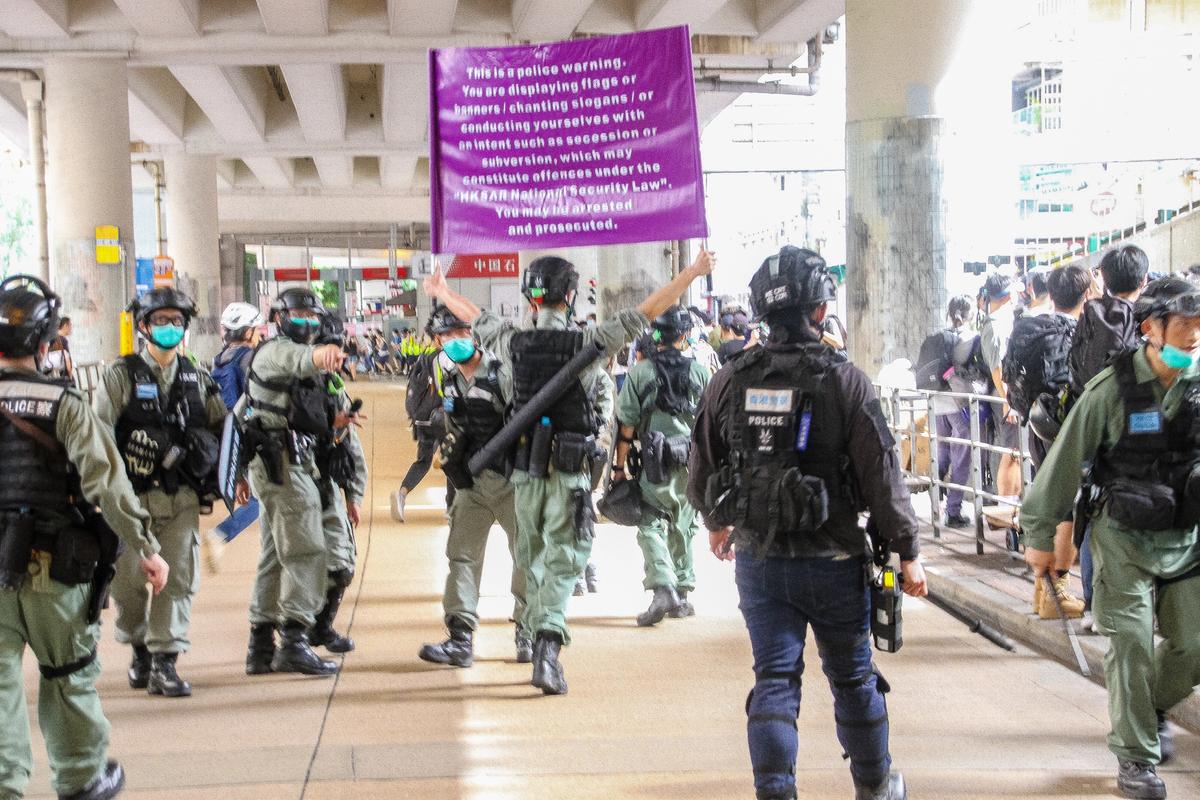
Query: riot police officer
[[790, 445], [55, 556], [658, 404], [555, 517], [1138, 425], [477, 390], [167, 413], [283, 415]]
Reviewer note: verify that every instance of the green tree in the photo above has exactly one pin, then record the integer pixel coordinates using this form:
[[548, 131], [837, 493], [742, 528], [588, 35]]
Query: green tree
[[328, 292]]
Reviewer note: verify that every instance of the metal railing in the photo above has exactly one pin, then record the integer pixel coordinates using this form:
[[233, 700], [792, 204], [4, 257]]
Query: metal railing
[[87, 377], [904, 409]]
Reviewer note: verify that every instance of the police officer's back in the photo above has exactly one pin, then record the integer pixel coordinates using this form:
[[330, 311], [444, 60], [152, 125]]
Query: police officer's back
[[790, 445], [56, 554]]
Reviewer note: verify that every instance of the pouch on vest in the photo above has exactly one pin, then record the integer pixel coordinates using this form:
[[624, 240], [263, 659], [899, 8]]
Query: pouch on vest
[[76, 554], [585, 515], [572, 452], [1143, 505], [203, 452], [721, 497], [454, 460], [679, 448], [802, 502], [16, 547], [654, 455], [307, 412], [1189, 510]]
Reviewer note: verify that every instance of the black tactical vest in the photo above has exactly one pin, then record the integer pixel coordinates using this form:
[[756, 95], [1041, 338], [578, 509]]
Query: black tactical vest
[[308, 409], [32, 476], [675, 385], [1154, 454], [151, 425], [791, 492], [538, 355], [480, 413]]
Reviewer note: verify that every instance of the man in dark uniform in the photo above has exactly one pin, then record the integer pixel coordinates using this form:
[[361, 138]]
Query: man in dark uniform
[[53, 559], [790, 445]]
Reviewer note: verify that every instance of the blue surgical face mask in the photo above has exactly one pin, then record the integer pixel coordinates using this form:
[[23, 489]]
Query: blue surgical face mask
[[1175, 358], [167, 337], [459, 350]]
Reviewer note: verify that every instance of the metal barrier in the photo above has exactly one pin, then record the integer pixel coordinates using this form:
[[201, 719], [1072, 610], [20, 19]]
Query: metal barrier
[[87, 378], [905, 407]]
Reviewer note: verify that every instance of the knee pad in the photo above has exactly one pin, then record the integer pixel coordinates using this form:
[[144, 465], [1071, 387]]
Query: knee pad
[[766, 681], [341, 578]]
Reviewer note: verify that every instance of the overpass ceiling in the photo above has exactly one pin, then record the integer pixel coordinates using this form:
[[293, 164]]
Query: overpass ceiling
[[330, 96]]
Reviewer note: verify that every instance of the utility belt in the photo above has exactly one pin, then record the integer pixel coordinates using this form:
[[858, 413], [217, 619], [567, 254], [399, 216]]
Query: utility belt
[[272, 445], [566, 451], [83, 552], [1153, 505], [660, 454]]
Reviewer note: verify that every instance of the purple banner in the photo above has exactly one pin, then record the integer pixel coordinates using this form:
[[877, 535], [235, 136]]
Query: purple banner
[[586, 142]]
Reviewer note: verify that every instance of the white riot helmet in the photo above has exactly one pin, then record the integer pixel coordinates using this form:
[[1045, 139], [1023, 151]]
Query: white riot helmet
[[237, 317]]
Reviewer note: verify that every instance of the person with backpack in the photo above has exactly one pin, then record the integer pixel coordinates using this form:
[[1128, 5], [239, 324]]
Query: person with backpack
[[423, 402], [1106, 328], [231, 367], [935, 366], [994, 333]]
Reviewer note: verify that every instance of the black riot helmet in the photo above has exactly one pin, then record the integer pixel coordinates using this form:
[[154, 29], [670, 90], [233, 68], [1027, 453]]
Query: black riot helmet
[[548, 280], [28, 316], [1167, 296], [297, 299], [160, 298], [795, 278], [672, 324], [443, 320], [333, 330]]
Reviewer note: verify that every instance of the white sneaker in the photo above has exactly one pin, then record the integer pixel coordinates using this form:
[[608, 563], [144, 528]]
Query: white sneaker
[[398, 498], [1087, 622]]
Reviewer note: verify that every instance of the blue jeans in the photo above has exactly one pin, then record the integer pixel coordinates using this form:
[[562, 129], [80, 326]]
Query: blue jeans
[[780, 599], [955, 459], [1086, 569]]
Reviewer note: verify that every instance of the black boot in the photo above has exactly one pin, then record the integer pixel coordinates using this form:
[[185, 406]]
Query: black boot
[[684, 609], [261, 648], [164, 679], [892, 788], [458, 650], [1166, 740], [108, 785], [547, 672], [1139, 781], [589, 578], [664, 601], [295, 655], [524, 648], [139, 667], [322, 633]]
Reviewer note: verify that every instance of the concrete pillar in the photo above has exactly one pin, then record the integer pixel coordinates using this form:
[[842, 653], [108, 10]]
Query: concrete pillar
[[233, 272], [907, 89], [89, 184], [193, 240]]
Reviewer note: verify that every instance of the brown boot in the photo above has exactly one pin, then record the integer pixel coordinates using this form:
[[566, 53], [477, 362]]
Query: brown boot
[[1072, 606]]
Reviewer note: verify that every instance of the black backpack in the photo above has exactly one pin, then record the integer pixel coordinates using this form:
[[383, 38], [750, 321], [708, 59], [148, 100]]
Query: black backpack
[[422, 397], [1036, 360], [1106, 329], [935, 360]]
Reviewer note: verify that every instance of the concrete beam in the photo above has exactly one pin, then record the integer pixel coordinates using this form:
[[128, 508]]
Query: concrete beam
[[319, 93], [295, 17], [336, 172], [229, 98], [795, 20], [47, 18], [396, 172], [226, 173], [162, 17], [240, 210], [405, 103], [547, 20], [272, 173], [421, 17], [13, 124], [156, 107], [669, 13]]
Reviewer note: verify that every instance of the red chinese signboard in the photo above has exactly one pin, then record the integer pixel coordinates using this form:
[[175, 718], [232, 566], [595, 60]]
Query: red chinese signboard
[[487, 265], [295, 274]]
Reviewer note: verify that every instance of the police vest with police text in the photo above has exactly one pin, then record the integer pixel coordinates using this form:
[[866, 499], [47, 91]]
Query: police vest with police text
[[33, 476], [538, 355], [789, 452], [307, 409], [151, 425]]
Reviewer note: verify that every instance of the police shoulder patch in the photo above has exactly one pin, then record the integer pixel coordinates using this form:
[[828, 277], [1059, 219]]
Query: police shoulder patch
[[770, 401]]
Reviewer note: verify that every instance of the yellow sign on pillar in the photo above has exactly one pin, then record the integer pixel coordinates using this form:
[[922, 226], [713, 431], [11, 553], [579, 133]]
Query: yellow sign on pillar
[[126, 333], [108, 244]]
